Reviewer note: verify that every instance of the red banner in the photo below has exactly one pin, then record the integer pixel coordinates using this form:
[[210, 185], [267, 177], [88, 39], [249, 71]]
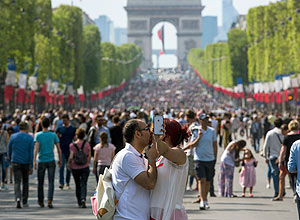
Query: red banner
[[21, 95], [32, 96], [8, 93]]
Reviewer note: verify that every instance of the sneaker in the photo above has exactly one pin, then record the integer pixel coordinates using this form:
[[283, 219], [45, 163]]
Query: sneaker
[[83, 204], [202, 206], [50, 205], [268, 186], [213, 195], [41, 204], [206, 206], [19, 204], [196, 201], [61, 186], [25, 205], [4, 187], [189, 188]]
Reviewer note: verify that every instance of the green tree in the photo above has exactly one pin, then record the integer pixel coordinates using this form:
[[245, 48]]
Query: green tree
[[91, 56], [237, 43]]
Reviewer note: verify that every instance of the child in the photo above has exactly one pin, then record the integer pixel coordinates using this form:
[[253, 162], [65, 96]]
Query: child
[[248, 175]]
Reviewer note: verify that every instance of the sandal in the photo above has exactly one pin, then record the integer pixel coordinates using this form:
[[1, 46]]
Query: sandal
[[277, 199], [251, 195], [243, 194]]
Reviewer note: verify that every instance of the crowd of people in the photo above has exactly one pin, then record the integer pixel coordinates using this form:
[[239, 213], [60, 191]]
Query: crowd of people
[[82, 139]]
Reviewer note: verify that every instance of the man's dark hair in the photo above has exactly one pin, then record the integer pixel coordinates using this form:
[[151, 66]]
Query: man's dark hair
[[66, 116], [129, 129], [190, 114], [116, 119], [278, 122], [46, 122], [23, 126]]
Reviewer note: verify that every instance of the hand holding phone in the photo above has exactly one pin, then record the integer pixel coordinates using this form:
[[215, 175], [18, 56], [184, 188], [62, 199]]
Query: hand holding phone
[[158, 125]]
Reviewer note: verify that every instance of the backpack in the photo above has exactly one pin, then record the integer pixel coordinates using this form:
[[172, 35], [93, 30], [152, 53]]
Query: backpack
[[104, 201], [80, 156]]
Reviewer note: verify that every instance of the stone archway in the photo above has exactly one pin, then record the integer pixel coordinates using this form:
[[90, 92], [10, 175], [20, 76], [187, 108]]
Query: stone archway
[[143, 15]]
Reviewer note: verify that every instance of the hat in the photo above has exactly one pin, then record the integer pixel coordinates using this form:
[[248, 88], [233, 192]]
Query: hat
[[203, 116]]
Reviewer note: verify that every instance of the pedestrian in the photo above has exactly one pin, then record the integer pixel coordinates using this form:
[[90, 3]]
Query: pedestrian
[[255, 133], [44, 148], [283, 159], [103, 155], [293, 167], [205, 154], [94, 132], [20, 154], [229, 159], [80, 167], [133, 176], [3, 154], [116, 134], [66, 134], [193, 126], [248, 174], [8, 167], [272, 147], [172, 172]]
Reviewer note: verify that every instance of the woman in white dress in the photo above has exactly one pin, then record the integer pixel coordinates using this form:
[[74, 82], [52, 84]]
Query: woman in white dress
[[172, 172]]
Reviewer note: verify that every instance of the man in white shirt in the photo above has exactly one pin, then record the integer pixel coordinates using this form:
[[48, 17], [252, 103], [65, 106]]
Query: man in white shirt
[[272, 147], [133, 176]]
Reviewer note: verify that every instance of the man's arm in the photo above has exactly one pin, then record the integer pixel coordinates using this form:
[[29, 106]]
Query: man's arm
[[215, 146], [292, 164], [59, 154], [195, 142], [147, 179], [36, 150]]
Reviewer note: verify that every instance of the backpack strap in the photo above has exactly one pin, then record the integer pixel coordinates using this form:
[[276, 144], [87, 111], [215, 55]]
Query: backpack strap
[[75, 145], [82, 146]]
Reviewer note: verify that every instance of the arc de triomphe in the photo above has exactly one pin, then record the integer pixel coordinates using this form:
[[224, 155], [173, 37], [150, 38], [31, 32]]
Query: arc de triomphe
[[185, 15]]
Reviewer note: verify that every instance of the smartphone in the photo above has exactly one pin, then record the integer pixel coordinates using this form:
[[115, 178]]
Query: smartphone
[[158, 125]]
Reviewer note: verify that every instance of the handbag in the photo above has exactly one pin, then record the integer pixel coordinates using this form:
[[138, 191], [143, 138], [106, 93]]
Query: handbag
[[104, 200]]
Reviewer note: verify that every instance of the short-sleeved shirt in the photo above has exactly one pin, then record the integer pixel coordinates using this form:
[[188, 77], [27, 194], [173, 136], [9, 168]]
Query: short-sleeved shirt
[[288, 142], [205, 150], [105, 154], [135, 200], [67, 135], [86, 150], [46, 140]]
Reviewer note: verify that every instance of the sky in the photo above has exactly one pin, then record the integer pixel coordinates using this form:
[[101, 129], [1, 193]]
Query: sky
[[114, 9]]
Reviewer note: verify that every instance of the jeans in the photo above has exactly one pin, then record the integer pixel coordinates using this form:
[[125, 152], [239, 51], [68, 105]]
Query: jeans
[[42, 166], [298, 205], [275, 174], [21, 173], [62, 169], [212, 188], [255, 139], [100, 170], [81, 177], [269, 175], [2, 168]]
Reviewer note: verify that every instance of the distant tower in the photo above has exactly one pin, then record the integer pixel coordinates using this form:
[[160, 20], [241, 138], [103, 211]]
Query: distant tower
[[229, 16]]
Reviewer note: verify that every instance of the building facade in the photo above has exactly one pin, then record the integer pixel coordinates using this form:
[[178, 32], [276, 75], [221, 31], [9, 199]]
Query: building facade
[[120, 36], [106, 28], [209, 30]]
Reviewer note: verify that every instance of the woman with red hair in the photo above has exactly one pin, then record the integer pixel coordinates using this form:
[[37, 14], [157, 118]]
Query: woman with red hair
[[172, 172]]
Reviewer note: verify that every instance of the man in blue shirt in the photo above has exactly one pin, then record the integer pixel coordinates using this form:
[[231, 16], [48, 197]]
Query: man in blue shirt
[[20, 154], [66, 134], [204, 157], [44, 146], [293, 167]]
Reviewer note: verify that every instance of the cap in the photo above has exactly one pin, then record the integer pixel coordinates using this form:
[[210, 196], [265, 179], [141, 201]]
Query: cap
[[203, 116]]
